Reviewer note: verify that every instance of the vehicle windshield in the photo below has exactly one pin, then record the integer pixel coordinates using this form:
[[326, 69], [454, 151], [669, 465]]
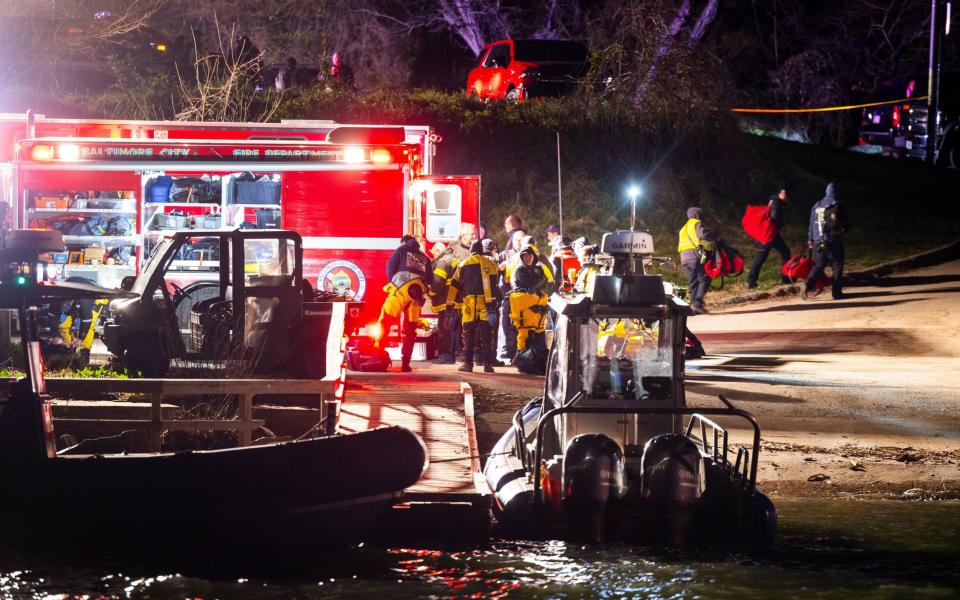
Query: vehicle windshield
[[549, 51], [626, 358], [146, 272]]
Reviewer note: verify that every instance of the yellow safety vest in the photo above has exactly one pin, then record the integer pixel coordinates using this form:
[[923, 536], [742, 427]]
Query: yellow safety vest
[[688, 236]]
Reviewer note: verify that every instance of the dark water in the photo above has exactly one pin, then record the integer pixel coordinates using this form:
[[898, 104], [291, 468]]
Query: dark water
[[826, 549]]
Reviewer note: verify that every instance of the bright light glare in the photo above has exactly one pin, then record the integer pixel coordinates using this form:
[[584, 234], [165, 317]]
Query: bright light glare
[[68, 152], [41, 152], [353, 154], [634, 191], [376, 332], [380, 156]]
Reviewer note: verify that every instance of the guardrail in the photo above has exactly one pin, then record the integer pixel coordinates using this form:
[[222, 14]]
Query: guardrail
[[159, 389]]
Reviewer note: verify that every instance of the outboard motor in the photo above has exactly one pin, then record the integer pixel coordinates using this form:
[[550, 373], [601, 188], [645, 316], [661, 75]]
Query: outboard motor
[[672, 484], [593, 477]]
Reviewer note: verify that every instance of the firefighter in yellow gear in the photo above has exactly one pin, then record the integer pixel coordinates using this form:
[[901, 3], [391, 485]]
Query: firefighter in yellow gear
[[82, 316], [410, 276], [528, 300], [444, 265], [474, 285]]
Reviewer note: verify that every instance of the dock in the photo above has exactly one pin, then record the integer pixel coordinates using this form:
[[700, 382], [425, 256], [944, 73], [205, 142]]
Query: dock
[[451, 500]]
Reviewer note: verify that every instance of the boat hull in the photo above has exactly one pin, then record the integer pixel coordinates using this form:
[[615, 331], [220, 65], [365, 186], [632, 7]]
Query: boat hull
[[325, 491]]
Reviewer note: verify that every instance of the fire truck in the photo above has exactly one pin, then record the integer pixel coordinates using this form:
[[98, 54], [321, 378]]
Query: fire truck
[[116, 188]]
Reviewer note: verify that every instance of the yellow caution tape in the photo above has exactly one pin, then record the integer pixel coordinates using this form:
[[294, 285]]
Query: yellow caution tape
[[824, 109]]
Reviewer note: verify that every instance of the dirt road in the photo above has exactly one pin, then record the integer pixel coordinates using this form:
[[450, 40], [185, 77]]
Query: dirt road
[[857, 396], [853, 384]]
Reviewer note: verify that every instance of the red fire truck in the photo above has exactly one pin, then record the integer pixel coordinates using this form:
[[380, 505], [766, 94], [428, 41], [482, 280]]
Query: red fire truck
[[114, 188]]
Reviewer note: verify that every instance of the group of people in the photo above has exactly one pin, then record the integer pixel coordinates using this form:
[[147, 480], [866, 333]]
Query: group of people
[[827, 224], [249, 59], [481, 295], [334, 73], [488, 300]]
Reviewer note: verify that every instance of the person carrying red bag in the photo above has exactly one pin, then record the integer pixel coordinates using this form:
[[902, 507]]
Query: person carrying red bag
[[775, 206]]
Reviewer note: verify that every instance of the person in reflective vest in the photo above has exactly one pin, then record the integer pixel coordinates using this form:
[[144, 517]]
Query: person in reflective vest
[[444, 265], [410, 276], [474, 285], [696, 239], [528, 300]]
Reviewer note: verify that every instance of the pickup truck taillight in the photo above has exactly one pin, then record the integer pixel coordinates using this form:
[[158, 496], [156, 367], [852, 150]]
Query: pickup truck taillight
[[895, 119]]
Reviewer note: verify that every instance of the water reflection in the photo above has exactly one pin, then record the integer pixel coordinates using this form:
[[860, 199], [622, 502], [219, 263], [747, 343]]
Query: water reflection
[[827, 549]]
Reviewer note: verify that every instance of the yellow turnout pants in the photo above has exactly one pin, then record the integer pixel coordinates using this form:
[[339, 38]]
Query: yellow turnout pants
[[528, 312]]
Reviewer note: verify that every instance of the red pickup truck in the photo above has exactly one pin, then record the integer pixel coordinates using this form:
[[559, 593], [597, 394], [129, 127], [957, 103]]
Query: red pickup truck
[[517, 70]]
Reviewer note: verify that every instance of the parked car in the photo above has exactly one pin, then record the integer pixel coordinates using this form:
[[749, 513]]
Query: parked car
[[947, 146], [886, 125], [515, 70]]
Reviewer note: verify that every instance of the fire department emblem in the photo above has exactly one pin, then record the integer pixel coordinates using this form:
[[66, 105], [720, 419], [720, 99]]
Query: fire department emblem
[[342, 277]]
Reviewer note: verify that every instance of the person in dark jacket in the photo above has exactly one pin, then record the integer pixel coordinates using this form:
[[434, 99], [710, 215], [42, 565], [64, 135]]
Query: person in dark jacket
[[474, 285], [695, 240], [828, 222], [466, 236], [410, 275], [287, 75], [776, 205]]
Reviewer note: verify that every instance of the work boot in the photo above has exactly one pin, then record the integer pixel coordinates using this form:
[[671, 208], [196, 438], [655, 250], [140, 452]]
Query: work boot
[[803, 290], [466, 367], [488, 369], [444, 359], [405, 368]]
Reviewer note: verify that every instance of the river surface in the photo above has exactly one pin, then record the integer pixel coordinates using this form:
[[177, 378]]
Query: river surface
[[825, 549]]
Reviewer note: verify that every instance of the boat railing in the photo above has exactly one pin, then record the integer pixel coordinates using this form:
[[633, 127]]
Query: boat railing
[[749, 472], [521, 442], [160, 389], [713, 442]]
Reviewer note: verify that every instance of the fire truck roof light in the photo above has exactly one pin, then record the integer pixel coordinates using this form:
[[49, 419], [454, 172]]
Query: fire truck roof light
[[41, 152], [380, 156], [68, 152], [353, 154]]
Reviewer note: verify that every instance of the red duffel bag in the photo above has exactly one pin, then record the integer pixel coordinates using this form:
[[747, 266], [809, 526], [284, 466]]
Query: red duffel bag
[[724, 262], [756, 222], [799, 267]]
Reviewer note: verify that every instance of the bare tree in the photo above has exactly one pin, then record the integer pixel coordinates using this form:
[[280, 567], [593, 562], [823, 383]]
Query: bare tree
[[680, 37], [224, 90]]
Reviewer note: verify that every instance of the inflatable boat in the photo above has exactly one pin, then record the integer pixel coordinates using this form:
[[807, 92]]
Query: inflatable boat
[[611, 451]]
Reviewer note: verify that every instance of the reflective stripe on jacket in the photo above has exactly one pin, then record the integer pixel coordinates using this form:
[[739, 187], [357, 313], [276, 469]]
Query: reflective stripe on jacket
[[475, 276]]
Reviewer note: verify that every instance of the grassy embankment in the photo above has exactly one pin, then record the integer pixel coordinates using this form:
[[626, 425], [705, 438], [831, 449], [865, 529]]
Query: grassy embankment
[[897, 207]]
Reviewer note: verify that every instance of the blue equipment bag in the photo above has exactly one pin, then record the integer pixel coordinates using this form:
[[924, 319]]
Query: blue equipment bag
[[160, 189]]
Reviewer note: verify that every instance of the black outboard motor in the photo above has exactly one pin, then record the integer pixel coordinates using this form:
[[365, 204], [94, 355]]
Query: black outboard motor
[[593, 477], [671, 487]]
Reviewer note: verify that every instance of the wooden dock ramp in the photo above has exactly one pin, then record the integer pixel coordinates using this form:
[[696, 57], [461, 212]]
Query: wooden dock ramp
[[451, 499]]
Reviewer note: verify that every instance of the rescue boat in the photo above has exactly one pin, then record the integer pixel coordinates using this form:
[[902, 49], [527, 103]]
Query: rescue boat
[[323, 491], [611, 451]]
